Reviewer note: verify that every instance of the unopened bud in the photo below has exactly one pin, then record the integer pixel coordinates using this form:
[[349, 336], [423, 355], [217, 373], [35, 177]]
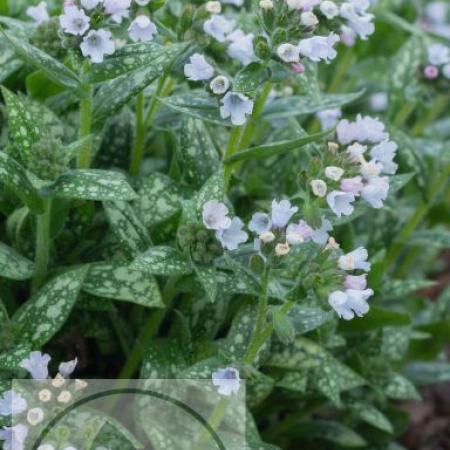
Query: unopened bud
[[214, 7], [282, 249], [319, 188]]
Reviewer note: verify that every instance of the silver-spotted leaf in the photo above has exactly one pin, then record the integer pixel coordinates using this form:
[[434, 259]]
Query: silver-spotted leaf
[[13, 265], [163, 261], [399, 387]]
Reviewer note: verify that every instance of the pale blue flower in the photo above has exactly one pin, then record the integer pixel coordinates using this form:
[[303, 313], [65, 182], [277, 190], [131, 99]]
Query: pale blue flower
[[74, 21], [38, 13], [233, 236], [117, 9], [376, 191], [236, 106], [142, 29], [12, 404], [364, 129], [329, 9], [227, 381], [320, 235], [96, 44], [356, 282], [90, 4], [215, 216], [296, 233], [340, 202], [318, 48], [352, 185], [438, 54], [241, 47], [384, 153], [355, 260], [14, 437], [350, 303], [198, 68], [329, 117], [260, 223], [282, 212], [67, 368], [37, 365], [360, 22], [218, 27]]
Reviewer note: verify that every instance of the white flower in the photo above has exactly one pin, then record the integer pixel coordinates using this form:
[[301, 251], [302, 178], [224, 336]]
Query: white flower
[[308, 19], [446, 71], [267, 237], [117, 9], [376, 191], [215, 216], [319, 48], [198, 69], [220, 85], [334, 173], [356, 282], [266, 4], [14, 437], [320, 235], [282, 249], [233, 236], [352, 185], [38, 13], [227, 380], [260, 223], [45, 395], [384, 153], [361, 6], [341, 202], [356, 152], [319, 188], [74, 21], [96, 44], [371, 169], [378, 101], [350, 303], [358, 21], [365, 129], [282, 212], [64, 397], [67, 368], [12, 404], [241, 47], [329, 117], [142, 2], [213, 7], [142, 29], [348, 36], [438, 54], [90, 4], [329, 9], [357, 259], [236, 106], [218, 27], [35, 416], [288, 53], [37, 365]]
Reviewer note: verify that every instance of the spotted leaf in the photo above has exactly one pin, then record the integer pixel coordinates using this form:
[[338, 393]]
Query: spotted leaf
[[400, 388], [163, 261], [41, 317], [13, 265], [11, 359], [207, 277], [118, 282]]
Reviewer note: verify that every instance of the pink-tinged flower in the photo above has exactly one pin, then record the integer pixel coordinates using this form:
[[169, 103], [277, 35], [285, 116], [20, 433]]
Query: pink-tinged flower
[[431, 72], [215, 216], [356, 282], [298, 68], [352, 185], [355, 260], [341, 202]]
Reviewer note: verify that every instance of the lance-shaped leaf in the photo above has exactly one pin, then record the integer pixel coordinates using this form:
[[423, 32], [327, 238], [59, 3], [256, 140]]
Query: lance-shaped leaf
[[428, 372], [41, 317], [163, 261], [118, 282], [371, 415], [400, 388], [113, 94], [136, 56], [277, 148], [127, 227], [207, 277], [250, 77], [13, 265], [91, 184], [213, 189], [197, 105], [11, 359], [6, 332], [13, 176], [302, 105], [56, 71], [397, 182], [25, 128]]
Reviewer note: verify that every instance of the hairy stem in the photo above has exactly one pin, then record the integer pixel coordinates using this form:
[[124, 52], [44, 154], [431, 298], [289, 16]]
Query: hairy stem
[[232, 148], [84, 157], [42, 246], [139, 141]]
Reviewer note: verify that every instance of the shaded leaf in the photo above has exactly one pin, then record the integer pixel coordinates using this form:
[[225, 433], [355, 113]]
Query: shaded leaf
[[163, 261], [13, 265]]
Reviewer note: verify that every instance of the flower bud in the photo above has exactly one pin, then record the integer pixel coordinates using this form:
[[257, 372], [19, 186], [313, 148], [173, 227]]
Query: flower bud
[[282, 249], [319, 188], [220, 85], [266, 4], [64, 397], [431, 72], [58, 381], [214, 7], [333, 147], [334, 173], [332, 244], [308, 19], [267, 237], [35, 416]]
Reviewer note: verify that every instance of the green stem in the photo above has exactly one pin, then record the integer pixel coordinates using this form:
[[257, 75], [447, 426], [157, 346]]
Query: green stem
[[342, 69], [404, 113], [42, 246], [4, 8], [84, 157], [438, 106], [117, 326], [232, 148], [139, 141], [154, 105], [150, 330]]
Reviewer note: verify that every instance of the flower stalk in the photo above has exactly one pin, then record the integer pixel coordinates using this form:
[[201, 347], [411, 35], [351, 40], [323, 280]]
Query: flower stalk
[[86, 104]]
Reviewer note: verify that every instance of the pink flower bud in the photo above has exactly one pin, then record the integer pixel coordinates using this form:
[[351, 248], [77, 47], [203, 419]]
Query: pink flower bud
[[356, 282], [298, 68], [352, 185], [431, 72]]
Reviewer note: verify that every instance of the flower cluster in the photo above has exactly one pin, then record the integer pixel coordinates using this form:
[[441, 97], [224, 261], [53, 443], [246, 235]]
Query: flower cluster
[[436, 18], [438, 59], [349, 19], [353, 299], [81, 22], [357, 171], [13, 404], [234, 105]]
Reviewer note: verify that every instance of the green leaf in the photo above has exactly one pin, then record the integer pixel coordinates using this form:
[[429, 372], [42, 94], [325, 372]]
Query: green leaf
[[24, 126], [10, 360], [286, 107], [91, 184], [132, 57], [163, 359], [127, 227], [115, 93], [435, 238], [41, 317], [40, 87], [163, 261], [400, 388], [424, 373], [295, 381], [197, 105], [196, 152], [278, 148], [56, 71], [9, 63], [208, 279], [158, 200], [250, 77], [397, 182], [13, 175], [118, 282], [376, 318], [13, 265], [308, 318], [372, 416], [213, 189], [403, 288], [6, 331]]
